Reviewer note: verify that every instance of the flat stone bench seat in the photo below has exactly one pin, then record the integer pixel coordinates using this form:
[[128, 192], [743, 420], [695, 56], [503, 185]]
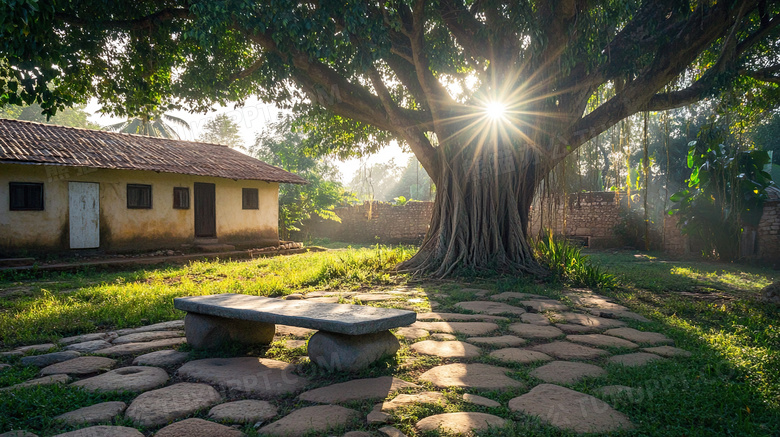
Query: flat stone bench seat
[[350, 337], [332, 317]]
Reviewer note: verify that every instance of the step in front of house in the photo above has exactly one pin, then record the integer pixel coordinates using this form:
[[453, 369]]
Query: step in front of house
[[16, 262], [214, 247]]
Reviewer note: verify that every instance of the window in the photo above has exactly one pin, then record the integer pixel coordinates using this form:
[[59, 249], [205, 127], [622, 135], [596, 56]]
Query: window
[[249, 198], [181, 198], [139, 196], [26, 196]]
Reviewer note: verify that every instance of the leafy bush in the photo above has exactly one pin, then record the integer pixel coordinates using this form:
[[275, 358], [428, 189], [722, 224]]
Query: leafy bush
[[726, 191], [567, 263]]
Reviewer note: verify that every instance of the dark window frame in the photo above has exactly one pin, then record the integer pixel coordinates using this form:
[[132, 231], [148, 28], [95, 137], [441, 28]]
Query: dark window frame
[[139, 187], [27, 204], [185, 197], [250, 198]]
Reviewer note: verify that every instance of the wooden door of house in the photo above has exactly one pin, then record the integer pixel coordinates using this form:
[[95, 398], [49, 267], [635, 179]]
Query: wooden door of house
[[205, 210], [84, 214]]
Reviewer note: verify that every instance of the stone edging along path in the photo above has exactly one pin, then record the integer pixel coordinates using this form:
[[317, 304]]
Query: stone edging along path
[[561, 344]]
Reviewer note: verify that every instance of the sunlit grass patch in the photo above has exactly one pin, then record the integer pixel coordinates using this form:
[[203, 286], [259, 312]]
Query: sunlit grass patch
[[124, 299]]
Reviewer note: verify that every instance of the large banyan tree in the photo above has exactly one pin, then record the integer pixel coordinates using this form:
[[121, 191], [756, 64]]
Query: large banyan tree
[[489, 95]]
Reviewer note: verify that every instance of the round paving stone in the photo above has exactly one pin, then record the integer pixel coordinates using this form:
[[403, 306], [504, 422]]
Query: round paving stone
[[566, 372], [412, 334], [492, 308], [177, 325], [571, 328], [103, 412], [539, 305], [357, 389], [667, 351], [391, 431], [246, 375], [404, 400], [446, 349], [535, 331], [596, 322], [635, 359], [167, 357], [138, 348], [246, 411], [83, 338], [357, 434], [294, 344], [612, 314], [36, 348], [133, 378], [294, 331], [22, 433], [468, 328], [475, 375], [88, 346], [612, 391], [197, 428], [147, 336], [49, 359], [634, 335], [507, 295], [161, 406], [310, 419], [479, 400], [535, 319], [373, 297], [443, 337], [80, 366], [460, 423], [600, 340], [523, 356], [103, 431], [570, 410], [459, 317], [569, 351], [500, 341], [46, 380]]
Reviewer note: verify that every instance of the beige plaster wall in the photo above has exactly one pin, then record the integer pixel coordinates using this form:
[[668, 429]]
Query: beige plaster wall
[[123, 229]]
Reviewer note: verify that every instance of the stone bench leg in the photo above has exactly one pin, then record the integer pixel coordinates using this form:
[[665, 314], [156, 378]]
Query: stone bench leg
[[350, 352], [208, 332]]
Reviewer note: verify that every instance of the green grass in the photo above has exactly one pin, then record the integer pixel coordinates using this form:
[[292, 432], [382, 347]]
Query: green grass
[[730, 386], [57, 305]]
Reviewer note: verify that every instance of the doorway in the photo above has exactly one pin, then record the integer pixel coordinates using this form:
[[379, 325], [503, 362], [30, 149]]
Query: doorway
[[84, 214], [205, 210]]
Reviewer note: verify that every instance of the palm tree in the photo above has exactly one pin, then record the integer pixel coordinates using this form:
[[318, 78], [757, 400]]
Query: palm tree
[[154, 126]]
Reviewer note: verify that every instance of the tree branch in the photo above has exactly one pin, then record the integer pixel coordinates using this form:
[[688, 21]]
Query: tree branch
[[468, 31], [407, 129], [764, 74], [670, 61], [147, 22], [437, 96]]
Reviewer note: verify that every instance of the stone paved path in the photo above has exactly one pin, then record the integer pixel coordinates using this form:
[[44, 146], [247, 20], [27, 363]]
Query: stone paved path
[[555, 344]]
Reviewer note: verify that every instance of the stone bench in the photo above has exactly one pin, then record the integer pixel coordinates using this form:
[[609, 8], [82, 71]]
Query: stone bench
[[349, 337]]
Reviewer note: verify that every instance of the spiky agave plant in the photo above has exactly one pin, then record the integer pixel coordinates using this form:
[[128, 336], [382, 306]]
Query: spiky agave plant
[[158, 125]]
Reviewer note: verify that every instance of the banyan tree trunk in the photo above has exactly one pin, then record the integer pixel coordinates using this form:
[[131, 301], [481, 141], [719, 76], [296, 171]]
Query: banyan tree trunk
[[481, 211]]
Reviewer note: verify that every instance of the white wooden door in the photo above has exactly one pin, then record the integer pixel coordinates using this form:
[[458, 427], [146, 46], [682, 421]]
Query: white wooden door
[[84, 214]]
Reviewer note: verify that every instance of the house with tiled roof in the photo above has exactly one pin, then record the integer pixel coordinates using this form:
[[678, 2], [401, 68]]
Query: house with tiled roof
[[65, 188]]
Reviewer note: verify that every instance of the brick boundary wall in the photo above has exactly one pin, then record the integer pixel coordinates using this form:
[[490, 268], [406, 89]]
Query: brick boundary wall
[[592, 216], [373, 222]]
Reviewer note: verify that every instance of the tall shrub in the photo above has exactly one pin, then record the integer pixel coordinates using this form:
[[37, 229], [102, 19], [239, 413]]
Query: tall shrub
[[726, 192]]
